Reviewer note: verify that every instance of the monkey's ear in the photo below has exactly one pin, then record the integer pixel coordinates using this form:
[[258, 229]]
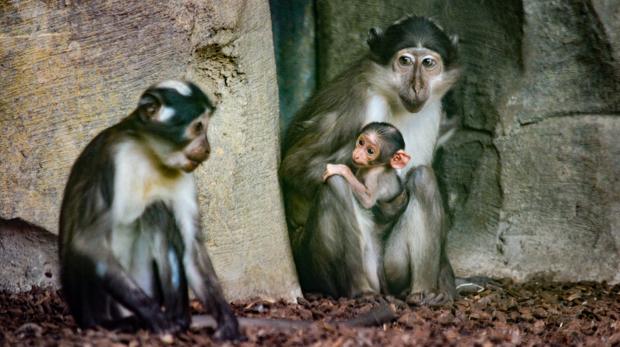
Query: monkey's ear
[[400, 159], [374, 37], [148, 106]]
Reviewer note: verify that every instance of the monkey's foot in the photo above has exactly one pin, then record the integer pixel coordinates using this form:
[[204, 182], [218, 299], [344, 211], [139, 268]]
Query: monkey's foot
[[429, 299], [366, 294], [229, 330]]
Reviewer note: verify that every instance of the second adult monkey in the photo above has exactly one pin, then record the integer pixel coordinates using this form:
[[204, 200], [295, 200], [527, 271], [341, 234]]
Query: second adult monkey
[[379, 198], [402, 80]]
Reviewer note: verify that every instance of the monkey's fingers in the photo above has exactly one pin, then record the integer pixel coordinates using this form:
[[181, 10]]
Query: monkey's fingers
[[428, 299], [414, 299], [326, 175]]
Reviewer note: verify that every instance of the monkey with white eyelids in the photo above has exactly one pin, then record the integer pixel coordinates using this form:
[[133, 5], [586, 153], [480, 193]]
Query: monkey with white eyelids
[[130, 243], [130, 238], [408, 69]]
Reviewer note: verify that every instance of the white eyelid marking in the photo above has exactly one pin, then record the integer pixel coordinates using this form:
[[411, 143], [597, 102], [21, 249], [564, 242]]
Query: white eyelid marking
[[410, 56], [179, 86], [165, 114]]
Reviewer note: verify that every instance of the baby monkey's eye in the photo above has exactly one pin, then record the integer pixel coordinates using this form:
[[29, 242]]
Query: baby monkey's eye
[[198, 127], [360, 142], [370, 151]]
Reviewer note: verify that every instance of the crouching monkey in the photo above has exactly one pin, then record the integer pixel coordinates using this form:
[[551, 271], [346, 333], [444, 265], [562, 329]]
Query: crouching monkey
[[409, 68], [130, 238]]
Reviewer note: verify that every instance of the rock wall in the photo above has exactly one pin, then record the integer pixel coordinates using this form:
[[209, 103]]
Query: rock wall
[[70, 69], [531, 180]]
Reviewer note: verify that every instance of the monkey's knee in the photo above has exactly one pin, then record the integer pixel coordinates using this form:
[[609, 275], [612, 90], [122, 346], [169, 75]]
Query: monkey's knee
[[397, 272], [422, 183], [421, 176], [336, 184], [337, 189]]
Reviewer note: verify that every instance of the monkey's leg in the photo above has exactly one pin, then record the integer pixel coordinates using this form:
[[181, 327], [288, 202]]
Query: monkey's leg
[[83, 291], [171, 284], [415, 259], [204, 283], [113, 280], [336, 246], [164, 263]]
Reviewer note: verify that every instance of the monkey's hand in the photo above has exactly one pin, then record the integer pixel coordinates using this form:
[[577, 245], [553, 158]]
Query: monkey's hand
[[335, 169]]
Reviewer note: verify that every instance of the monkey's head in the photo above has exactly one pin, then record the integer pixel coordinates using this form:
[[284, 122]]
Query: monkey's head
[[421, 57], [174, 118], [380, 144]]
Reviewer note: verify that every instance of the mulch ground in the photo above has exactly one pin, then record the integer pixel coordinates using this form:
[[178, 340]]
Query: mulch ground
[[557, 314]]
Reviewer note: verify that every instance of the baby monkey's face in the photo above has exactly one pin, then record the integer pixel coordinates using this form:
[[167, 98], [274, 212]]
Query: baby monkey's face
[[367, 150]]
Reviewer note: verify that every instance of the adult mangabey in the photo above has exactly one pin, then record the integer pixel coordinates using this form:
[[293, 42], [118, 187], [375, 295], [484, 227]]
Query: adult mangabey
[[130, 238], [379, 197], [401, 81]]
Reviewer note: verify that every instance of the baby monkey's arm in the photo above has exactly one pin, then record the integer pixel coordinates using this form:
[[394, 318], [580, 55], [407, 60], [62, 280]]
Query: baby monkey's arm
[[361, 192]]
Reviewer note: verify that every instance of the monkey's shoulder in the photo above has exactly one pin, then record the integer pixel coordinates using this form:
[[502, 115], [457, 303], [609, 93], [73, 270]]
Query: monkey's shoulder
[[330, 112]]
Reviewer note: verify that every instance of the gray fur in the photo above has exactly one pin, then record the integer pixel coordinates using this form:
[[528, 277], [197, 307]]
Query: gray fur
[[321, 217]]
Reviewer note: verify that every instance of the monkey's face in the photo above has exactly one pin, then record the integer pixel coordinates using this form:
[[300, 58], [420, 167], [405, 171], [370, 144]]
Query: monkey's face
[[193, 149], [198, 148], [176, 118], [367, 150], [417, 71]]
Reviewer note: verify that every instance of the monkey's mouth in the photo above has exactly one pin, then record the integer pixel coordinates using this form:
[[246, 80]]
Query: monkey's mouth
[[191, 165], [412, 105]]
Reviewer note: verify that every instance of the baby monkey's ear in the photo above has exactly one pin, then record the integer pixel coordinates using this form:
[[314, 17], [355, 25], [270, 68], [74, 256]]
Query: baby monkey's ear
[[399, 159]]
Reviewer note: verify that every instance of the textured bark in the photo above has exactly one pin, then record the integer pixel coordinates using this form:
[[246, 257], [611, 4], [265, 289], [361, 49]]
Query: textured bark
[[71, 69]]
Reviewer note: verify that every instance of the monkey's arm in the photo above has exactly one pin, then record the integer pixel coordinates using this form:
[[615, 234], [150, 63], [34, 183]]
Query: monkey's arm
[[392, 197], [361, 192], [205, 284], [303, 166], [321, 140]]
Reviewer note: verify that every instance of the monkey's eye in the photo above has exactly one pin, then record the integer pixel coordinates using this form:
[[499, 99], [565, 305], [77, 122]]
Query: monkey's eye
[[405, 60], [360, 142], [198, 127], [370, 151], [429, 62]]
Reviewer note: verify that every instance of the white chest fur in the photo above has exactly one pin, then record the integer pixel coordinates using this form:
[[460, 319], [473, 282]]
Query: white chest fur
[[420, 130], [138, 183]]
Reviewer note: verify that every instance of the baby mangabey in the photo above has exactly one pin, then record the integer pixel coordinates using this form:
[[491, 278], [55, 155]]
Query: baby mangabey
[[379, 152]]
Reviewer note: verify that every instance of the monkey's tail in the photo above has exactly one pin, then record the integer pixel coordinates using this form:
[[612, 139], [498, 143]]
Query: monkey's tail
[[377, 316]]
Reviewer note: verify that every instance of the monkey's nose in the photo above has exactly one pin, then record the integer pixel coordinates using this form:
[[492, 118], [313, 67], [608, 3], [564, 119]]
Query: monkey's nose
[[199, 155]]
